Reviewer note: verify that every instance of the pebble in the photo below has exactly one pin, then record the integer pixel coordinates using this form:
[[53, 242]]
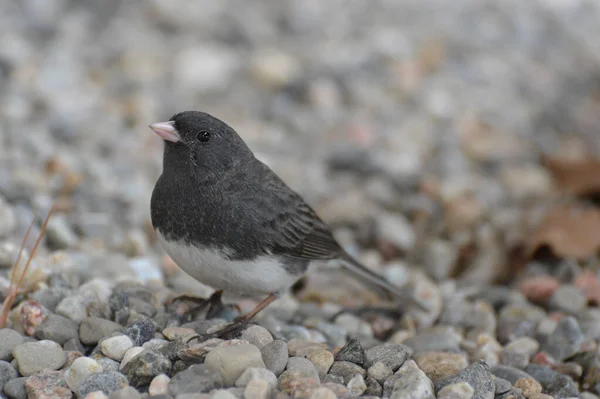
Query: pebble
[[392, 355], [8, 340], [130, 354], [322, 361], [346, 370], [477, 375], [93, 329], [59, 234], [80, 369], [395, 228], [197, 378], [141, 331], [257, 336], [352, 352], [126, 393], [303, 367], [275, 356], [37, 356], [106, 363], [145, 366], [159, 385], [409, 382], [72, 307], [568, 298], [257, 374], [354, 325], [517, 321], [116, 347], [502, 386], [553, 383], [323, 393], [107, 382], [15, 388], [459, 390], [566, 339], [528, 386], [231, 361], [508, 373], [357, 385], [518, 352], [380, 372], [302, 348], [440, 365], [441, 338], [295, 384], [7, 372], [178, 333], [259, 389], [47, 384], [96, 395]]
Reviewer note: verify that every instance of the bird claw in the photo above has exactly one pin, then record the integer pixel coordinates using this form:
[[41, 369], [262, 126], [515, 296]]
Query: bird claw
[[230, 331]]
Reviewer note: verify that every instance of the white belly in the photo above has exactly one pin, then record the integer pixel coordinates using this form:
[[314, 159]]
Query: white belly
[[262, 276]]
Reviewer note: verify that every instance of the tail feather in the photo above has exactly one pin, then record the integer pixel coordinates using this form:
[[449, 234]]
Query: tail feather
[[370, 277]]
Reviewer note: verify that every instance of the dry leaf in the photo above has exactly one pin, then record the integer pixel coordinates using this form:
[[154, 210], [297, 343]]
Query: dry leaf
[[569, 231], [581, 177]]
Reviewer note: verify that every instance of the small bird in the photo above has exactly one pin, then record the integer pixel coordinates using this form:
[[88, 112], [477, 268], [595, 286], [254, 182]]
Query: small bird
[[230, 222]]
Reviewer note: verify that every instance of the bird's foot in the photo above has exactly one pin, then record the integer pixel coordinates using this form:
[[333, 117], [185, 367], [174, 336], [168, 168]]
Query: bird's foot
[[230, 331], [211, 306]]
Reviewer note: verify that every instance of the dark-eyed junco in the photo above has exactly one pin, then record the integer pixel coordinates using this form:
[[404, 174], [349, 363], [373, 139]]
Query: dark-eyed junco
[[230, 222]]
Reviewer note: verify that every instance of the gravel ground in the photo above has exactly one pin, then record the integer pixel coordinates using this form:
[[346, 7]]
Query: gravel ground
[[416, 128]]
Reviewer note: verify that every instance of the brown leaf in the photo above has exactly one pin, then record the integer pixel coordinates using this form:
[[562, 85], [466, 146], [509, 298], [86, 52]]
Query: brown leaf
[[569, 231], [577, 177]]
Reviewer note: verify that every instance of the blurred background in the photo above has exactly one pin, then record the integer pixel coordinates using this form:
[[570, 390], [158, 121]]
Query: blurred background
[[432, 134]]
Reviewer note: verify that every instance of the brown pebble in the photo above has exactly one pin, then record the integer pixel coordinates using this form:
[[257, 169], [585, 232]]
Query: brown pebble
[[528, 386], [176, 333]]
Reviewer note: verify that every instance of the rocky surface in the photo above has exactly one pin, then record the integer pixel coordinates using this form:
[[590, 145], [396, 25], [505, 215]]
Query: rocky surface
[[427, 133]]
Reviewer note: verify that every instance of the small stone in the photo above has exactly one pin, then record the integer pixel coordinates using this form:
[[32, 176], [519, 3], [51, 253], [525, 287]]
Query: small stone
[[256, 374], [357, 385], [295, 384], [106, 363], [74, 345], [436, 339], [257, 336], [176, 333], [553, 383], [322, 360], [528, 386], [231, 361], [346, 370], [155, 344], [7, 373], [275, 356], [354, 325], [145, 366], [58, 329], [392, 355], [541, 396], [37, 356], [116, 347], [59, 233], [508, 373], [258, 389], [72, 307], [302, 348], [396, 229], [47, 384], [518, 320], [304, 367], [566, 339], [130, 354], [96, 395], [352, 352], [380, 372], [373, 388], [93, 329], [459, 390], [141, 331], [518, 352], [15, 388], [440, 365], [323, 393], [568, 298], [409, 382], [159, 385], [8, 340], [126, 393], [478, 376], [197, 378], [107, 382], [80, 369]]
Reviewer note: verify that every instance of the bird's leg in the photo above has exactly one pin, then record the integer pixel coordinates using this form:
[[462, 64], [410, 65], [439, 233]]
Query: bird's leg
[[213, 305], [235, 328]]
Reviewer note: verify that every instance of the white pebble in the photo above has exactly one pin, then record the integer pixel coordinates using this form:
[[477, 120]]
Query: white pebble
[[130, 354], [115, 347], [81, 368], [159, 385]]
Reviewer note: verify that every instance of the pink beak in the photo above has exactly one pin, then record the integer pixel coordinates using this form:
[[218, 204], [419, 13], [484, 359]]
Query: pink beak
[[166, 130]]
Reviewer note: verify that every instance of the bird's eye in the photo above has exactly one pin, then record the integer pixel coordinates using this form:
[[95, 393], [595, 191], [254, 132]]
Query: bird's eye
[[203, 136]]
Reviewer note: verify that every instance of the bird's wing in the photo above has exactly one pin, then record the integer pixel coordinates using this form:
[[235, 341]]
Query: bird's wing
[[292, 226]]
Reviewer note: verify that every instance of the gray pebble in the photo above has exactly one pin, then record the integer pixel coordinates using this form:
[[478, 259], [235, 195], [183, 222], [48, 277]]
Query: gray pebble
[[105, 382], [303, 367], [254, 373], [352, 352], [106, 363], [8, 340], [58, 329], [517, 321], [15, 388], [126, 393], [502, 386], [275, 355], [436, 339], [197, 378], [49, 297], [458, 390], [72, 307], [380, 372], [567, 298], [59, 234], [7, 372], [554, 383], [93, 329], [508, 373], [478, 376], [145, 366], [141, 331], [392, 355], [231, 361], [346, 370], [566, 339], [409, 382], [257, 336], [36, 356], [74, 345], [518, 352]]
